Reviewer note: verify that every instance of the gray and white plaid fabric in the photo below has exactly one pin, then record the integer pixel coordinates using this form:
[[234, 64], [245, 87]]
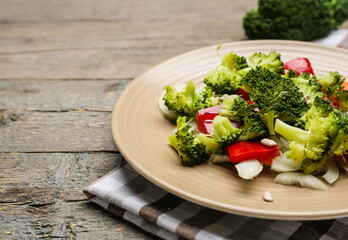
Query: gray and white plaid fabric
[[127, 194]]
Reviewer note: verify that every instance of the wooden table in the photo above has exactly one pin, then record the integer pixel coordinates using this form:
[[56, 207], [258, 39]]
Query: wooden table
[[63, 64]]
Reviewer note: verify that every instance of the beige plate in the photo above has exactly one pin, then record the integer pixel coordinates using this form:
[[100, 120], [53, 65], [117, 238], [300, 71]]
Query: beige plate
[[141, 134]]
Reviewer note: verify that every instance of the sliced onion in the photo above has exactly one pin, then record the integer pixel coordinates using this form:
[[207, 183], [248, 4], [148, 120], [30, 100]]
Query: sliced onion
[[284, 164], [332, 172], [166, 112], [282, 143], [219, 158], [249, 169], [301, 179]]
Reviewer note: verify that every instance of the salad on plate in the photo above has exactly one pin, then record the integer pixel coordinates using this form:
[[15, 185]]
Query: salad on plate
[[259, 111]]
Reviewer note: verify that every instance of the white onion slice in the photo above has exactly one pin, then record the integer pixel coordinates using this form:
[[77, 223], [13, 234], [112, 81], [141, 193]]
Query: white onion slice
[[249, 169], [281, 141], [284, 164], [332, 172], [219, 158], [301, 179]]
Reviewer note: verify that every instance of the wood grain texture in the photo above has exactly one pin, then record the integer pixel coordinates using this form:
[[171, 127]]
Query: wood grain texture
[[116, 45], [50, 203], [60, 96], [74, 131], [63, 64]]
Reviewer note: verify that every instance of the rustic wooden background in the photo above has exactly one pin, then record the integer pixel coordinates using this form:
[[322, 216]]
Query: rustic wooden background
[[63, 63]]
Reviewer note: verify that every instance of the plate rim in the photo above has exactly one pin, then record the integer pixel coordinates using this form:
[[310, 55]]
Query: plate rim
[[244, 211]]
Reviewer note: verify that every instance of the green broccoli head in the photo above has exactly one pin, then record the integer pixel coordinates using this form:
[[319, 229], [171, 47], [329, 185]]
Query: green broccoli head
[[294, 20], [331, 83], [274, 96], [325, 134], [185, 102], [222, 135], [253, 128], [233, 61], [309, 86], [271, 61], [226, 77], [342, 99], [223, 80], [236, 108], [191, 151], [341, 10], [209, 97]]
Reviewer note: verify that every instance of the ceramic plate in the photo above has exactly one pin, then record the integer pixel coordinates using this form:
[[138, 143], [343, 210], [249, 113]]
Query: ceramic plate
[[141, 134]]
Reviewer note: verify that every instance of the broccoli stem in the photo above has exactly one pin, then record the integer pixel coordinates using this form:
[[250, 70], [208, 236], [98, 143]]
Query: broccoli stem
[[289, 132]]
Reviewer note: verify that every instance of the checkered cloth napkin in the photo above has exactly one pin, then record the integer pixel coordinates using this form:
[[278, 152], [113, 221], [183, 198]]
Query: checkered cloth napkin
[[127, 194]]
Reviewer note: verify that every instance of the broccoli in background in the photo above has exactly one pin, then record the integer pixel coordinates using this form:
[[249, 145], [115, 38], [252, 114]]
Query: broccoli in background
[[190, 149], [294, 20]]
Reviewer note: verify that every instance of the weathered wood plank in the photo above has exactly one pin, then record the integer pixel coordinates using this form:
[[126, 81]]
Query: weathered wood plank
[[41, 196], [41, 10], [47, 95], [121, 48], [55, 131]]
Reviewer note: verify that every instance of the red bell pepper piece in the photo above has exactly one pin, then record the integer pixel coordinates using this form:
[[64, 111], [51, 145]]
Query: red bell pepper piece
[[205, 118], [242, 151], [299, 65], [244, 94], [345, 86]]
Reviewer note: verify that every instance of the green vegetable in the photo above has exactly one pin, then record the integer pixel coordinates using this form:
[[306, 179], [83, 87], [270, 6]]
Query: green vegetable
[[185, 102], [236, 109], [253, 128], [331, 84], [224, 134], [226, 78], [294, 20], [325, 134], [190, 149], [239, 110], [308, 85], [342, 99], [274, 96]]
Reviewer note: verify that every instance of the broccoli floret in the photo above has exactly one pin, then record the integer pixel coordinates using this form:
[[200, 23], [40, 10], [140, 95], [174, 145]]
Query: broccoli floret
[[342, 99], [309, 86], [210, 99], [191, 151], [234, 62], [294, 20], [186, 102], [309, 146], [225, 78], [236, 109], [223, 134], [253, 128], [325, 134], [274, 96], [271, 61], [331, 84]]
